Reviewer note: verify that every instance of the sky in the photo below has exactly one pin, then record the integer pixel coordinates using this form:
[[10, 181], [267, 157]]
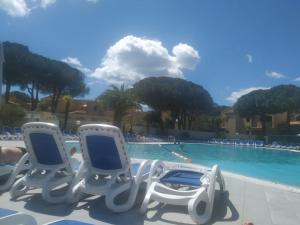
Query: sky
[[230, 47]]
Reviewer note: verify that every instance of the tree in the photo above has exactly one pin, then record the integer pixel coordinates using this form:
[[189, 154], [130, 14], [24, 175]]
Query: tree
[[120, 100], [182, 98], [36, 73], [11, 115], [254, 103], [67, 99], [284, 98], [279, 99], [64, 80], [13, 67]]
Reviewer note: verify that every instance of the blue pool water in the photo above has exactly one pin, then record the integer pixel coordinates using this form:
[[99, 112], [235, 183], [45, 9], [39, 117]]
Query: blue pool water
[[269, 164], [278, 166]]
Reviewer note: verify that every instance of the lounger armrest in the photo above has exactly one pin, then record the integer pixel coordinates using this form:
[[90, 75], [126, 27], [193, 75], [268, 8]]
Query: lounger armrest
[[156, 170], [140, 172]]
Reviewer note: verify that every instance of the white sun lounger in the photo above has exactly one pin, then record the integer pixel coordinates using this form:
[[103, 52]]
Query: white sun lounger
[[185, 186], [107, 169], [11, 171], [50, 165]]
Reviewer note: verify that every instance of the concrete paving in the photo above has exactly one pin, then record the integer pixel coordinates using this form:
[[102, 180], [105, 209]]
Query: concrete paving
[[246, 200]]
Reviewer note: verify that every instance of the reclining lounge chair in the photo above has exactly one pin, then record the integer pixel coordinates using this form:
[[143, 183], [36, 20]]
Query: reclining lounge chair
[[50, 165], [107, 169], [186, 186], [9, 172]]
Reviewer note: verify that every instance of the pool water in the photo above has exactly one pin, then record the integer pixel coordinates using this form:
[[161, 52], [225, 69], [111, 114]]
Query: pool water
[[269, 164], [278, 166]]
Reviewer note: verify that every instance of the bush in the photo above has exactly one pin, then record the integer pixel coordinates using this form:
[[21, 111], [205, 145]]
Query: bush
[[11, 115]]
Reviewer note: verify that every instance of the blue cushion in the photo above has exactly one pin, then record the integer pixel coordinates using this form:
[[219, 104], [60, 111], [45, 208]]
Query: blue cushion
[[103, 152], [69, 222], [182, 177], [6, 212], [45, 149], [135, 167]]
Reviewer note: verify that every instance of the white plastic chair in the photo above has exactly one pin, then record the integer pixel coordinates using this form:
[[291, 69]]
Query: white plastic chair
[[185, 186], [107, 169], [50, 165], [12, 171]]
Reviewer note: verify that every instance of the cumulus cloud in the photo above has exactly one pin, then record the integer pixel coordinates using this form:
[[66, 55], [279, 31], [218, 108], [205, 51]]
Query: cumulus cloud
[[75, 62], [275, 75], [250, 58], [46, 3], [297, 79], [133, 58], [72, 60], [15, 7], [20, 8], [235, 95]]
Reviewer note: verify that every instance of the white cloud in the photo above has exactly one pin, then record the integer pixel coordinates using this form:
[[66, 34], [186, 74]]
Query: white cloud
[[186, 56], [275, 75], [15, 7], [250, 58], [297, 79], [45, 3], [20, 8], [73, 61], [235, 95], [134, 58]]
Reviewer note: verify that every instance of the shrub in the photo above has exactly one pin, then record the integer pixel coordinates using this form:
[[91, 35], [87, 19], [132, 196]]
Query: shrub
[[11, 115]]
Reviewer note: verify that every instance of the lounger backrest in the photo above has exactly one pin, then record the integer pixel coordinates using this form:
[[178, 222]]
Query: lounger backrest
[[45, 144], [103, 148]]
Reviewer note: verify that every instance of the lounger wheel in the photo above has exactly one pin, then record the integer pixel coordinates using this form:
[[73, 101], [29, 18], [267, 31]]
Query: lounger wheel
[[18, 189]]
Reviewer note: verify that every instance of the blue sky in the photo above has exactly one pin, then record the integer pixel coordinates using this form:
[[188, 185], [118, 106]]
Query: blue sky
[[228, 46]]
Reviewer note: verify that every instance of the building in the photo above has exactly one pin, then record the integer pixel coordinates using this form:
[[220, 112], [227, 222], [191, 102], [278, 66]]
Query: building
[[277, 123]]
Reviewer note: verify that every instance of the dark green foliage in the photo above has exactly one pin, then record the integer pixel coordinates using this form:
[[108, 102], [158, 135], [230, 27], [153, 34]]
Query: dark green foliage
[[119, 100], [182, 98], [282, 98], [279, 99], [35, 73], [10, 115], [21, 96]]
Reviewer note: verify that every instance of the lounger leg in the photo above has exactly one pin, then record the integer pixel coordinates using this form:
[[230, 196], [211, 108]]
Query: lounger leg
[[75, 194], [147, 199], [192, 207], [19, 188], [110, 197], [49, 186]]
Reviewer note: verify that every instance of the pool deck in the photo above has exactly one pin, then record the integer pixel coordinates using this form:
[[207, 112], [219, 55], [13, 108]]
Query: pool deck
[[246, 200]]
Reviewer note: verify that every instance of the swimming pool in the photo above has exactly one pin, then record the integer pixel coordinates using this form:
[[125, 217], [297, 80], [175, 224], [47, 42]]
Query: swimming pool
[[274, 165], [278, 166]]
